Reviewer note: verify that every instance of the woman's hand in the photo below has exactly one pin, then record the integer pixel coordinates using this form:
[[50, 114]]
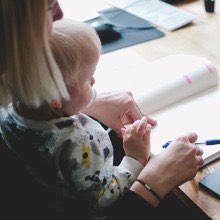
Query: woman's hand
[[136, 140], [115, 109], [174, 166]]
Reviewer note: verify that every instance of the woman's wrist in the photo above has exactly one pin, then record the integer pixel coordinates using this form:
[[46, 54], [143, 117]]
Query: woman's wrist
[[157, 185], [138, 188], [149, 189]]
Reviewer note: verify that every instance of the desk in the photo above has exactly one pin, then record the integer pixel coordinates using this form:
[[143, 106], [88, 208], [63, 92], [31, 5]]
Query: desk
[[202, 203], [202, 38]]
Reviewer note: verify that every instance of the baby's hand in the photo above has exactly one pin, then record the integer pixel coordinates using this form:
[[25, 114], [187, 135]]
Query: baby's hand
[[136, 140]]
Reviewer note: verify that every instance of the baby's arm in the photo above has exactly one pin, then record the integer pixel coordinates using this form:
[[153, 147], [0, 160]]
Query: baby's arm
[[136, 140]]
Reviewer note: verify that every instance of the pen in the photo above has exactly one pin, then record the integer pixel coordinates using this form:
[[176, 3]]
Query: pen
[[207, 142]]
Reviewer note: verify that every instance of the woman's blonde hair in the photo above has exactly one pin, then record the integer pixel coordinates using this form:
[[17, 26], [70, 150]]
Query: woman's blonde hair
[[28, 72], [74, 45]]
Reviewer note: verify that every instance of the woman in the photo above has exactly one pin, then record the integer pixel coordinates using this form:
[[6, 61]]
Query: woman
[[26, 61]]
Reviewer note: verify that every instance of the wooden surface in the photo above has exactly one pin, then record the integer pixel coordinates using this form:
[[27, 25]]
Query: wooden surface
[[200, 38], [116, 70], [205, 205]]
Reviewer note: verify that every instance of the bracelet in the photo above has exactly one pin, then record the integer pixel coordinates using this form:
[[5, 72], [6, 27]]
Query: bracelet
[[148, 188]]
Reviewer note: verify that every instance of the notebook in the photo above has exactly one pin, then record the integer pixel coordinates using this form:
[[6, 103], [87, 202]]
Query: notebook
[[184, 97]]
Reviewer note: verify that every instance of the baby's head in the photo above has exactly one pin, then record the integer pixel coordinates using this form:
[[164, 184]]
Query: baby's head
[[76, 48], [75, 45]]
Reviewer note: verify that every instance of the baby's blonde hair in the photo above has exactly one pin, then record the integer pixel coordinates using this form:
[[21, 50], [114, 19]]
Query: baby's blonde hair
[[28, 72], [74, 45]]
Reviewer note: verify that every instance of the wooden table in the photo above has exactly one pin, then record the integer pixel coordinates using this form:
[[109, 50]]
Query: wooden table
[[202, 203], [201, 38]]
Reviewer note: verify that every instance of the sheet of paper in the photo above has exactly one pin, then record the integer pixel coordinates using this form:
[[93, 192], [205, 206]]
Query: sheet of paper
[[200, 115]]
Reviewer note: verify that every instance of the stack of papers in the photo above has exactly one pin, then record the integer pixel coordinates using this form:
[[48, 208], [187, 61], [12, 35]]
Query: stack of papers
[[157, 12]]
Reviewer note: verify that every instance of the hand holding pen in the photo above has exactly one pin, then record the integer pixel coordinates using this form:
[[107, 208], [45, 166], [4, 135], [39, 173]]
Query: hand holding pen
[[207, 142]]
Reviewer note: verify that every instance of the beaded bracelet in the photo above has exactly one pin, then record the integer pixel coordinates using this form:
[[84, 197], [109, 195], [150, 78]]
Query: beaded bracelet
[[148, 188]]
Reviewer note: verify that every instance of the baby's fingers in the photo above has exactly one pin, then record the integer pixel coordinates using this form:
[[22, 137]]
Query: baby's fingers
[[143, 125]]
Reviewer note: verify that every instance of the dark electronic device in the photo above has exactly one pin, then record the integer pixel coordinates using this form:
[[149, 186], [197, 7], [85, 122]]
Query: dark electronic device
[[211, 182], [107, 32]]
